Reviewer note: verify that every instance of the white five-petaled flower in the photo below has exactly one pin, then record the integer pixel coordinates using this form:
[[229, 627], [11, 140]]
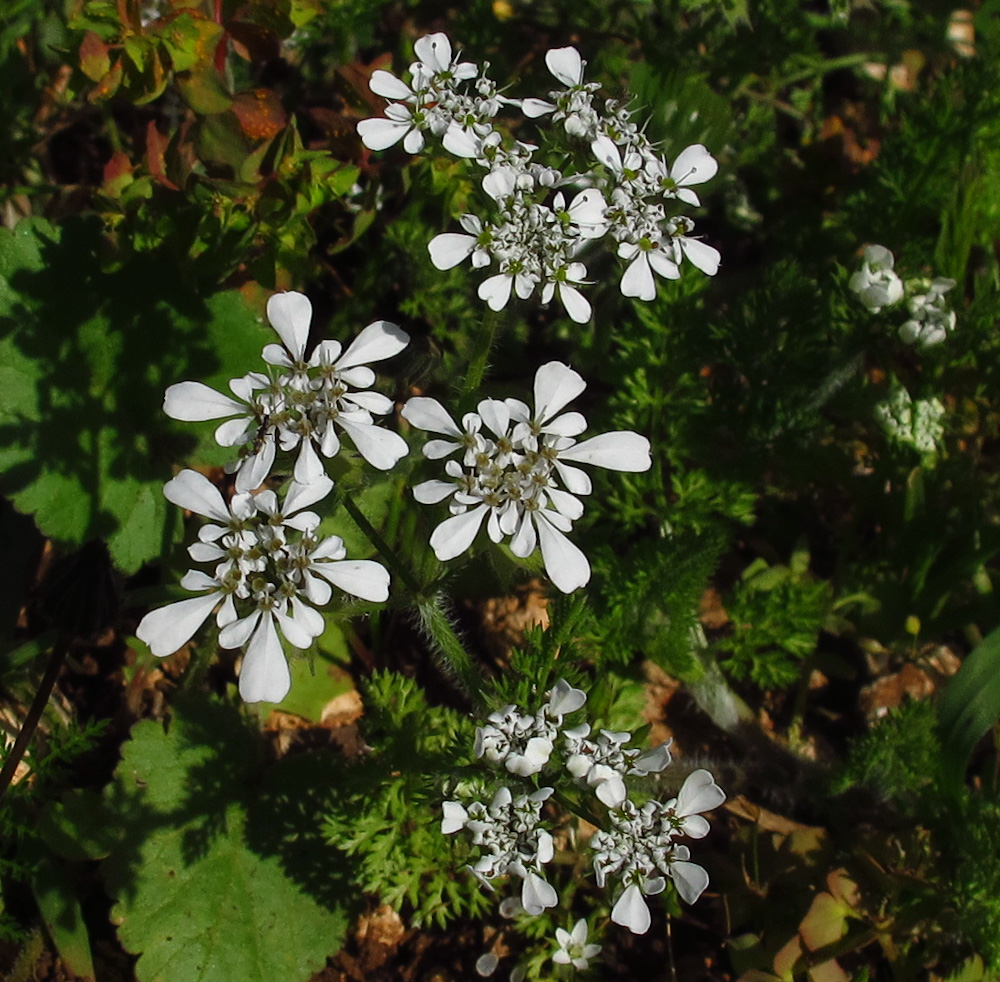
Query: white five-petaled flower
[[304, 404], [513, 479], [573, 947], [269, 568]]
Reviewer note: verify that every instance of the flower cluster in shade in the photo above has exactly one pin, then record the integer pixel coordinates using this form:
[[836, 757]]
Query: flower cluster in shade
[[612, 182], [301, 405], [269, 570], [514, 467], [910, 422], [638, 848], [877, 285]]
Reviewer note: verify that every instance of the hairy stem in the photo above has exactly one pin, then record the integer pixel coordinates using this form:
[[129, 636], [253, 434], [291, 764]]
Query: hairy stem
[[480, 354], [448, 650]]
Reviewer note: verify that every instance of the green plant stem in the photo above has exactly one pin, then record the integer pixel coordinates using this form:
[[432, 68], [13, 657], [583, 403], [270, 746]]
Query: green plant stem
[[480, 354], [445, 644], [388, 554], [448, 649], [35, 711]]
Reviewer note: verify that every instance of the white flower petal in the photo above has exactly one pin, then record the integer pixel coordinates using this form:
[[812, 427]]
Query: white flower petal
[[533, 108], [431, 492], [556, 384], [699, 793], [704, 257], [380, 134], [690, 880], [496, 290], [631, 911], [429, 414], [308, 466], [378, 341], [448, 249], [196, 493], [169, 628], [567, 566], [194, 401], [620, 450], [381, 448], [537, 894], [264, 675], [576, 304], [386, 84], [566, 65], [695, 165], [638, 279], [290, 315], [454, 535], [362, 578]]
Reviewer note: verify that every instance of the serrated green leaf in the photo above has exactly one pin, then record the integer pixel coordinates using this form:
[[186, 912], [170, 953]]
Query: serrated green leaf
[[85, 356], [202, 895]]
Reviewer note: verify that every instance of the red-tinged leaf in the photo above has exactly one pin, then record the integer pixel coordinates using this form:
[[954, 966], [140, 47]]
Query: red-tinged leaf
[[843, 888], [260, 114], [117, 174], [785, 959], [95, 62], [156, 148], [825, 923], [828, 972], [108, 85], [357, 76]]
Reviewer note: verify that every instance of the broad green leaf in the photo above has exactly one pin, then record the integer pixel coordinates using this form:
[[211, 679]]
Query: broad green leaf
[[85, 356], [209, 885], [968, 707]]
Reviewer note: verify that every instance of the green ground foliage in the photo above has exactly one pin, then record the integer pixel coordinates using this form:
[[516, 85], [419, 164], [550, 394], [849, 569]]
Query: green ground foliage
[[798, 591]]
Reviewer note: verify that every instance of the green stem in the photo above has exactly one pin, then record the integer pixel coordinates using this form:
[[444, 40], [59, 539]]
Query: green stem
[[388, 554], [448, 650], [480, 354], [38, 705]]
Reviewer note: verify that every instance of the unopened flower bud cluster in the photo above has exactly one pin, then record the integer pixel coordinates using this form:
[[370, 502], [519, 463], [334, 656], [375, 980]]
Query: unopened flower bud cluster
[[638, 847], [877, 285], [534, 233]]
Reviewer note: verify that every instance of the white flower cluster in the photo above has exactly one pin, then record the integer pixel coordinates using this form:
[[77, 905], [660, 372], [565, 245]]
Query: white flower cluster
[[533, 236], [513, 460], [931, 319], [270, 566], [877, 285], [303, 405], [912, 422], [639, 846]]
